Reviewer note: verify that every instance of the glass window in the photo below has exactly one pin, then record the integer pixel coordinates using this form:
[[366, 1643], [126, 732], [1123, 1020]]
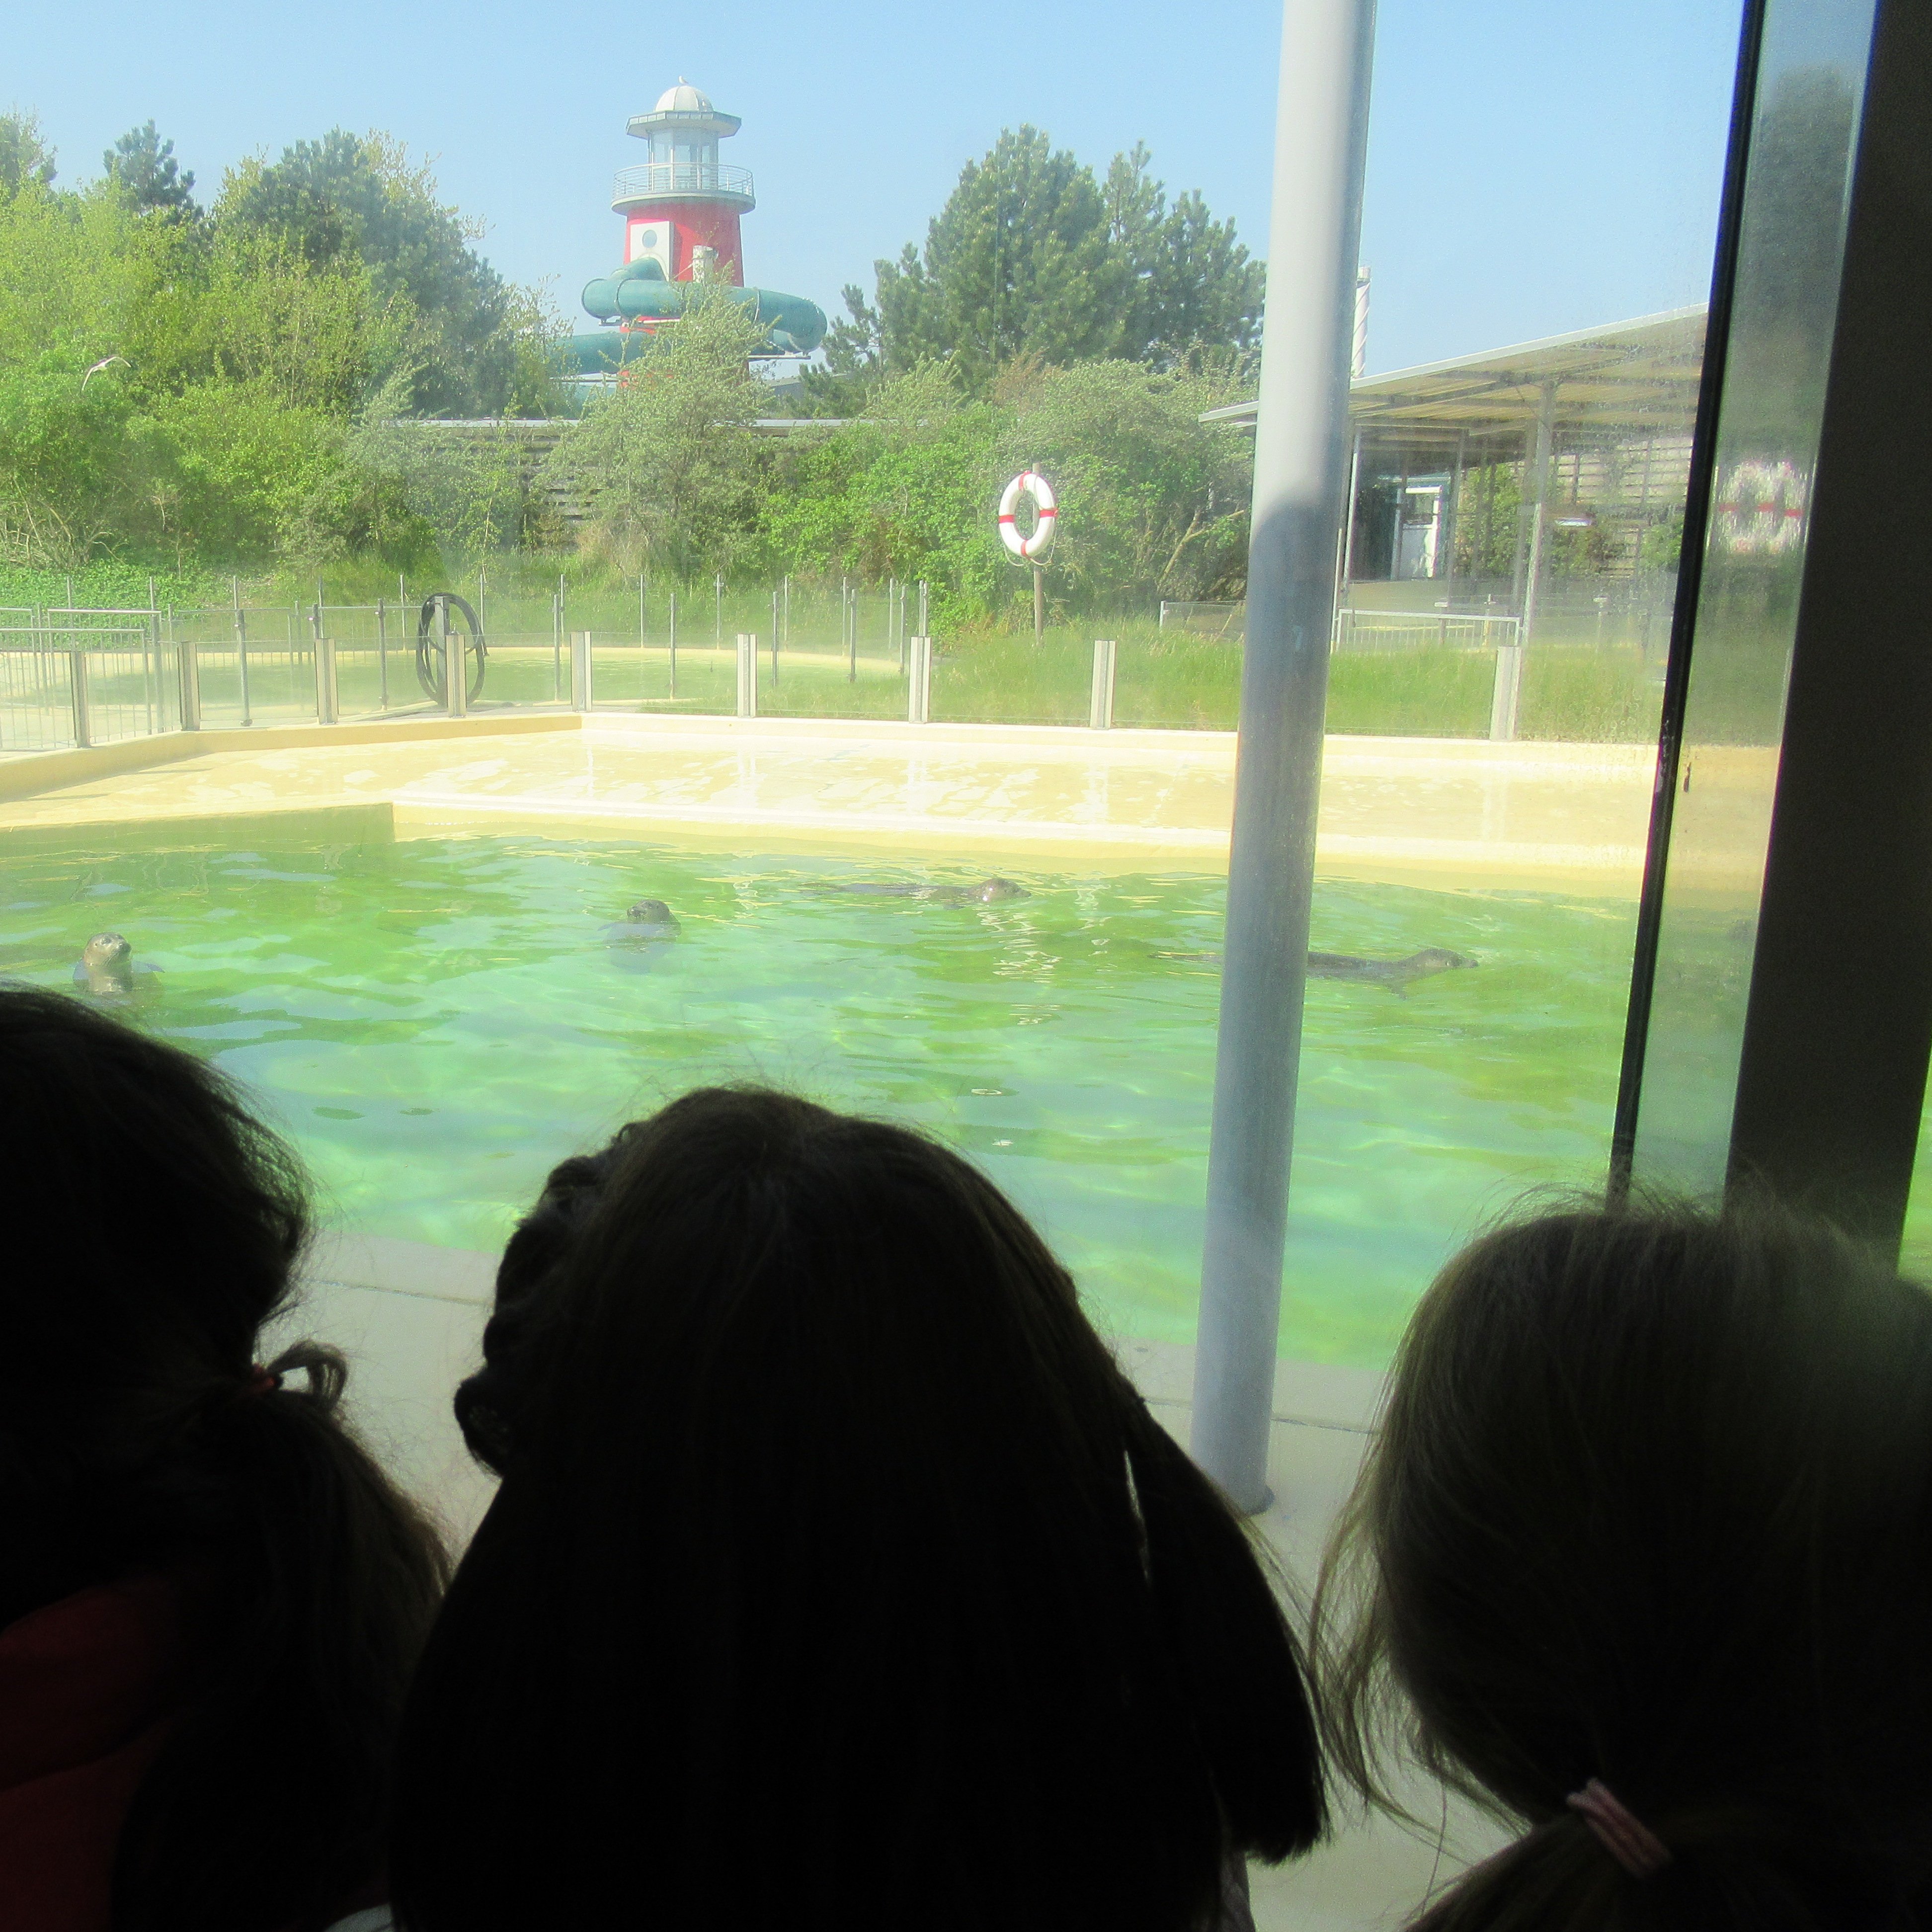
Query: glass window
[[1790, 245], [547, 606]]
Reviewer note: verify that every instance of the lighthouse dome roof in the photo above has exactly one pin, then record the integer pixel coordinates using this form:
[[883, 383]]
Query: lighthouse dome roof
[[686, 110], [683, 99]]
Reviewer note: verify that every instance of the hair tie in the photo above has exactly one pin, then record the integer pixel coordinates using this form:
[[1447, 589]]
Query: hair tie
[[1624, 1836], [261, 1381]]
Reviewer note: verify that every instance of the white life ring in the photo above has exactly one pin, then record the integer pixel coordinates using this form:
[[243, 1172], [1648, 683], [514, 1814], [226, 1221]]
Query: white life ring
[[1034, 547]]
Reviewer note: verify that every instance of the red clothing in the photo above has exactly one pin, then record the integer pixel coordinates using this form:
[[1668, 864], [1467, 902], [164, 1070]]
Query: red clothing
[[89, 1688]]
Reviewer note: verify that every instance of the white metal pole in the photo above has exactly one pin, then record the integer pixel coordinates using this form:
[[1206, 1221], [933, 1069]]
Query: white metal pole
[[1301, 446]]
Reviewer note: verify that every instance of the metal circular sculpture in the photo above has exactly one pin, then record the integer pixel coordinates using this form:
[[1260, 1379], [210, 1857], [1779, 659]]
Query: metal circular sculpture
[[466, 638], [1032, 548]]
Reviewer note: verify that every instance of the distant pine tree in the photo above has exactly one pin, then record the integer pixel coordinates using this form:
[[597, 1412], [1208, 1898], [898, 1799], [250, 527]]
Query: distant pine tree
[[24, 155], [144, 167], [1032, 259]]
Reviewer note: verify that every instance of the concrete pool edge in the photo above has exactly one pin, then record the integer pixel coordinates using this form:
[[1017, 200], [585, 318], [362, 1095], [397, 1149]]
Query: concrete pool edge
[[1321, 1394], [1451, 813]]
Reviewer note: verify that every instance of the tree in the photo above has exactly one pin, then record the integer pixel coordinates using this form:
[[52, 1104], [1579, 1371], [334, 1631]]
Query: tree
[[360, 196], [1154, 501], [1018, 262], [1195, 292], [1032, 259], [143, 166], [469, 487], [25, 156], [668, 464]]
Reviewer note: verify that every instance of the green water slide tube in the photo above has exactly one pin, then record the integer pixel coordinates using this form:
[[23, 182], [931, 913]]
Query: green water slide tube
[[639, 292]]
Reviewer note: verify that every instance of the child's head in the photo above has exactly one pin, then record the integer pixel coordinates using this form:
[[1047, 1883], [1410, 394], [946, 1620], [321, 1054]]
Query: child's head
[[837, 1577], [152, 1226], [1652, 1505]]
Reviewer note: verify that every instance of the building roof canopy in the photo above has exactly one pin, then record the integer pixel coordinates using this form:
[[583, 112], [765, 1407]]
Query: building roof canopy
[[1622, 380]]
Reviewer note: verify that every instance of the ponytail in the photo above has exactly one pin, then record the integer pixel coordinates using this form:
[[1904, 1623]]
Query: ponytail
[[1239, 1667], [270, 1802]]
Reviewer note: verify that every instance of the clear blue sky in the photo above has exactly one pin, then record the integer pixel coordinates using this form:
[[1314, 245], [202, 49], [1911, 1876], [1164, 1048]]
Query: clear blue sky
[[1533, 167]]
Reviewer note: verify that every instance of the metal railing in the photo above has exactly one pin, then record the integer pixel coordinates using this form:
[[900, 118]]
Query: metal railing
[[76, 677], [681, 177], [1423, 630]]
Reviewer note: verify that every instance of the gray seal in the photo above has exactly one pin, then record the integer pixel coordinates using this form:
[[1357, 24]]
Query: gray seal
[[1396, 974], [106, 967], [643, 919], [988, 892], [647, 926]]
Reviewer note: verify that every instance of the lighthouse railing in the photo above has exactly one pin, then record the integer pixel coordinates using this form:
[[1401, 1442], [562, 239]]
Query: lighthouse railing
[[681, 177]]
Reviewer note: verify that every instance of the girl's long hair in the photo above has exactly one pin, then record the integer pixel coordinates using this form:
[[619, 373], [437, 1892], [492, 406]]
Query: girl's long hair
[[152, 1227], [837, 1578], [1652, 1504]]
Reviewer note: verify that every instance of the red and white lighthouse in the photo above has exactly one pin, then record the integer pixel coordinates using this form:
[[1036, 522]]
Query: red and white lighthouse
[[681, 210], [681, 207]]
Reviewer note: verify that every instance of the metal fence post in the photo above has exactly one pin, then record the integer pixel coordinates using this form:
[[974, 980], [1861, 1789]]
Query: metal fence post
[[747, 674], [455, 666], [328, 708], [1507, 694], [580, 670], [1100, 705], [189, 661], [83, 721], [242, 653], [673, 645], [383, 649], [919, 694]]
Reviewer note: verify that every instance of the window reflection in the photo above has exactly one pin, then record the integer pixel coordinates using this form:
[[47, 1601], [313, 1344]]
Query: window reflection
[[1790, 245]]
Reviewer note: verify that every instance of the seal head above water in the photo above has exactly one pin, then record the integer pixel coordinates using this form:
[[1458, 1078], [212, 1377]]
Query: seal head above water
[[648, 919], [647, 924], [106, 967]]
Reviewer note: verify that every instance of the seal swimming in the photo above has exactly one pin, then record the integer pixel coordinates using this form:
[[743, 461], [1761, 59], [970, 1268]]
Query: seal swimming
[[106, 967], [643, 919], [1396, 974], [646, 925], [988, 892]]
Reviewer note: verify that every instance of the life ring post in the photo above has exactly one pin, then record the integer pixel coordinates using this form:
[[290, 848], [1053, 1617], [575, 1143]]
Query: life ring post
[[1033, 547]]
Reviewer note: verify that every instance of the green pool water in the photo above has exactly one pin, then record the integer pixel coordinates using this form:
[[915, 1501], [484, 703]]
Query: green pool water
[[436, 1022]]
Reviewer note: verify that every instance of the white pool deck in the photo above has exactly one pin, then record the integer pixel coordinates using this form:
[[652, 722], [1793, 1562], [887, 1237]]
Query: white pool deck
[[1455, 812], [1452, 813]]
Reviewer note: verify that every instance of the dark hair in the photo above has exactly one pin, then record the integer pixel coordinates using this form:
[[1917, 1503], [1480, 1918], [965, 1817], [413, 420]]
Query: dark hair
[[1650, 1505], [837, 1577], [152, 1227]]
